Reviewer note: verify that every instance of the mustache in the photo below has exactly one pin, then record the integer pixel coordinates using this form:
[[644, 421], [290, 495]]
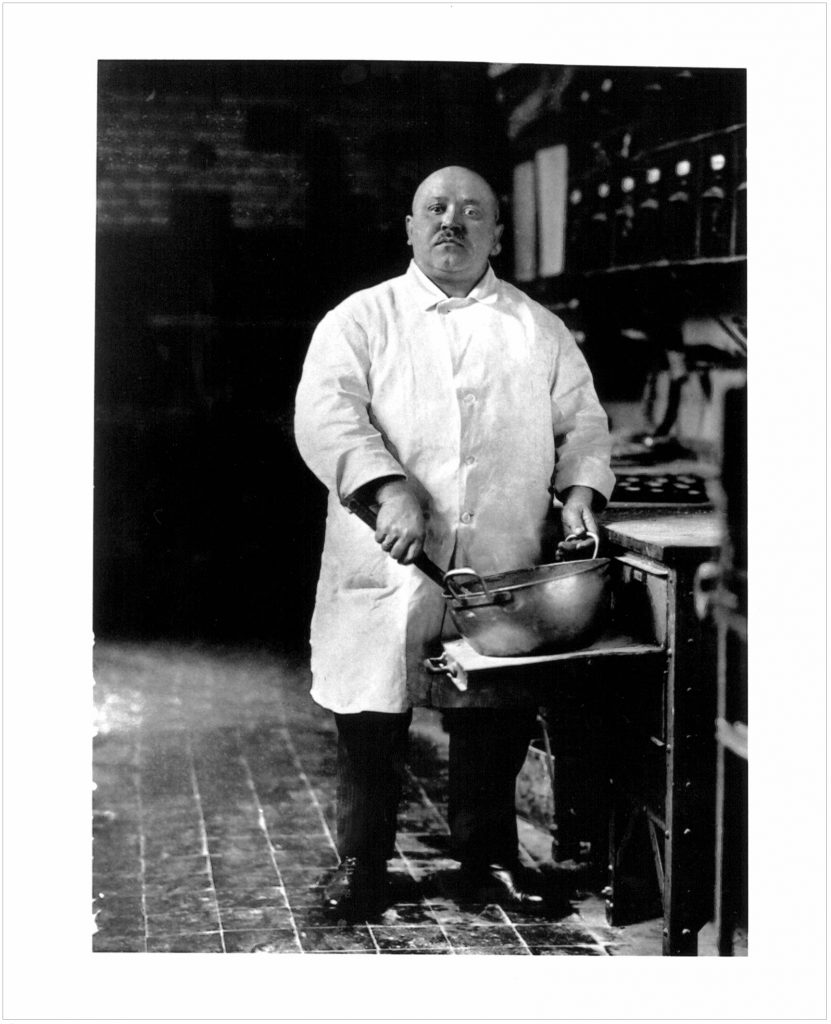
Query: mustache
[[449, 235]]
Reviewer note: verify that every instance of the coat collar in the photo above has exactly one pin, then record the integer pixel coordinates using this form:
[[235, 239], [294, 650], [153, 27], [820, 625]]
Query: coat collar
[[430, 296]]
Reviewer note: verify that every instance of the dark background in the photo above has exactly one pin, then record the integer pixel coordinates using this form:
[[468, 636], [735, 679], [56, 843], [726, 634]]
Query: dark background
[[237, 203]]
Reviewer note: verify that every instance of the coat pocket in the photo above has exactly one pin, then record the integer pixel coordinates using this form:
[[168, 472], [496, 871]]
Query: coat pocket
[[355, 562]]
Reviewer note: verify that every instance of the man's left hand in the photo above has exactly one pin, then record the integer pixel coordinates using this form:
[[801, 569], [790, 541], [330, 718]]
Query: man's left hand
[[578, 521]]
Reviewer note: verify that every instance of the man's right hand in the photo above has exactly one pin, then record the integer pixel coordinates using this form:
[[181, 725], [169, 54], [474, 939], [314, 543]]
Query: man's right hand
[[400, 528]]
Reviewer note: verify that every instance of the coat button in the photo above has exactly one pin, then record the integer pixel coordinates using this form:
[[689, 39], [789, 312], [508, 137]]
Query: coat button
[[469, 461], [467, 517], [470, 398]]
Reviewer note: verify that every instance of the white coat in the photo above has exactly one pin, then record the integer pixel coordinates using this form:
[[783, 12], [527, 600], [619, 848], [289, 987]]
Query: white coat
[[481, 402]]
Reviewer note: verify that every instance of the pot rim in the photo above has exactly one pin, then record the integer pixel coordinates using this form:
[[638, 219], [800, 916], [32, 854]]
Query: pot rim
[[577, 568]]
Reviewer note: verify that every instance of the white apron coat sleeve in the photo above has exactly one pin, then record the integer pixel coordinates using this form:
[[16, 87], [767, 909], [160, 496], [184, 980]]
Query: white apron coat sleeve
[[333, 430], [581, 427]]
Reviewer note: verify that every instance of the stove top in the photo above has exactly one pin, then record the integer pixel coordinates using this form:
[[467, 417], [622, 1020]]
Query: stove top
[[659, 489]]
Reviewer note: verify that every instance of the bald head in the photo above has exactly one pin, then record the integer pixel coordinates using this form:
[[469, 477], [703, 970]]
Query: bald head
[[463, 176], [454, 228]]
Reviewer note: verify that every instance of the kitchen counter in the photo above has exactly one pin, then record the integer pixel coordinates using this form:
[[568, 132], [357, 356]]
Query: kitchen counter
[[670, 535]]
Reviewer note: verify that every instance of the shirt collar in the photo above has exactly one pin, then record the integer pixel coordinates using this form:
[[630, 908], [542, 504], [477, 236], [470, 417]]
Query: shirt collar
[[430, 295]]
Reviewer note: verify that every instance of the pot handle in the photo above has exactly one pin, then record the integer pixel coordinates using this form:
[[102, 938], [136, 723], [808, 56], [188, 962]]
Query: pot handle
[[450, 577], [594, 537], [449, 669]]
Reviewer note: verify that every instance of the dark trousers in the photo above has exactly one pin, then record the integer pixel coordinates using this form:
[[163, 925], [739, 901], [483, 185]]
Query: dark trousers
[[487, 751], [372, 747]]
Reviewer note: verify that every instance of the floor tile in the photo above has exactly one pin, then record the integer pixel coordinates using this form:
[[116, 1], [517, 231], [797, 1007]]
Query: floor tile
[[483, 937], [449, 913], [567, 950], [108, 860], [115, 920], [310, 858], [490, 950], [184, 886], [163, 870], [231, 877], [252, 896], [344, 952], [408, 937], [186, 842], [264, 916], [161, 904], [410, 913], [275, 940], [555, 935], [302, 877], [206, 919], [427, 951], [104, 942], [117, 884], [186, 943], [303, 896], [562, 915], [249, 858], [333, 938]]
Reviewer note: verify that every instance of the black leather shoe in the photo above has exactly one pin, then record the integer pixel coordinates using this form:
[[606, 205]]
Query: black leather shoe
[[355, 892], [499, 884]]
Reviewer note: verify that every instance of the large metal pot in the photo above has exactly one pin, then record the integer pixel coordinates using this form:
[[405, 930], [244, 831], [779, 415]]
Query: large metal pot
[[542, 609]]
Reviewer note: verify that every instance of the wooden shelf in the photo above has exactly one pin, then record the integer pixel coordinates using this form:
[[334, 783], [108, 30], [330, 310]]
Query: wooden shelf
[[703, 261]]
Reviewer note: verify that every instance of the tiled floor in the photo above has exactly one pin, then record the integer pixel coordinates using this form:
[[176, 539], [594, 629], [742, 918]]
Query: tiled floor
[[213, 817]]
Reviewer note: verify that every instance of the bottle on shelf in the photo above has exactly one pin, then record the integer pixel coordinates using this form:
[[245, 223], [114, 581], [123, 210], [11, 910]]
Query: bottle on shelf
[[680, 218], [715, 200], [599, 227], [646, 240], [624, 220], [575, 227]]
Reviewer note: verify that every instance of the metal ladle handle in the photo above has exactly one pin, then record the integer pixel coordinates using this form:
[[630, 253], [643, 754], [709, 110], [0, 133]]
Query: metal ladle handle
[[594, 537], [449, 579]]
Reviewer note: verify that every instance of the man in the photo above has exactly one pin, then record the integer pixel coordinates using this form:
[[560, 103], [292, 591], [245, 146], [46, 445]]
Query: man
[[451, 401]]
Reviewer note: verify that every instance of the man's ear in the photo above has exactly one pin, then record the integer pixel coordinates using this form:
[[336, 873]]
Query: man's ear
[[497, 244], [407, 223]]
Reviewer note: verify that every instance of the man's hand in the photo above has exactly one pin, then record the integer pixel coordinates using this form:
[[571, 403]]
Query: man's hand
[[400, 528], [578, 520]]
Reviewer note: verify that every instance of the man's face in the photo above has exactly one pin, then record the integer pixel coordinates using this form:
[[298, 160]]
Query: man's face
[[453, 228]]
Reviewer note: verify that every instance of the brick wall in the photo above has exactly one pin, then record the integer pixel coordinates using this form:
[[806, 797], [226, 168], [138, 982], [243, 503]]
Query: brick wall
[[237, 202], [147, 148], [264, 133]]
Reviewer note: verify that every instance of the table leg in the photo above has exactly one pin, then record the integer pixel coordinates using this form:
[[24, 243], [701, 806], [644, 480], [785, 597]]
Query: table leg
[[690, 782]]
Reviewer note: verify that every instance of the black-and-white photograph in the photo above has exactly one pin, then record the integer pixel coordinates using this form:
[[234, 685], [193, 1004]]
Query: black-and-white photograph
[[421, 386], [420, 437]]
